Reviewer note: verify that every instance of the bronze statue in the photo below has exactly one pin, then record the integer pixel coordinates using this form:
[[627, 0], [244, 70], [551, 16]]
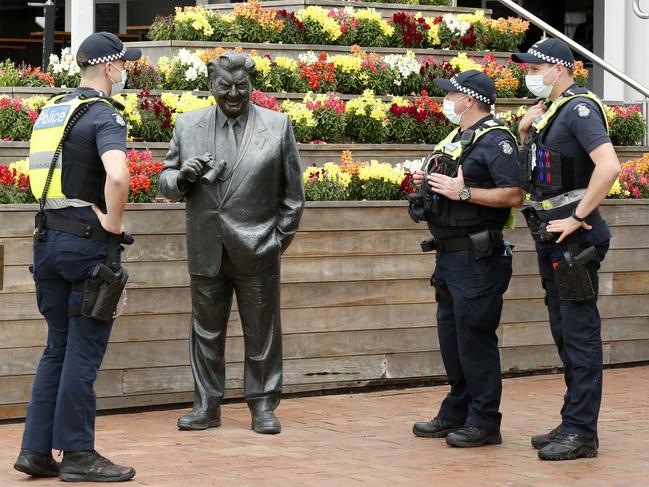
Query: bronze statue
[[238, 169]]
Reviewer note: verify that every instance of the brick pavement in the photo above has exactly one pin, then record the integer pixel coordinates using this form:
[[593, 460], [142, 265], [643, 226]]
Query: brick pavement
[[366, 440]]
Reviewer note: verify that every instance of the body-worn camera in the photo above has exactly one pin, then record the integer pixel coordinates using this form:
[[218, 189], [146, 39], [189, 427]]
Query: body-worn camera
[[424, 204], [212, 170]]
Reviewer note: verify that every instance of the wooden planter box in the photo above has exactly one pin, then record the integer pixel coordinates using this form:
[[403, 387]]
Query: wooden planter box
[[154, 50], [310, 153], [387, 10], [357, 307]]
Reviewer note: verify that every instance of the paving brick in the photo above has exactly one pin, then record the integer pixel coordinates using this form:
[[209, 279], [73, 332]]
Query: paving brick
[[366, 440]]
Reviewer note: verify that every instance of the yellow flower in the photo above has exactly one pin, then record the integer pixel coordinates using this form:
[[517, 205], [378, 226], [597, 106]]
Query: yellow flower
[[347, 63], [368, 105], [371, 15], [188, 102], [382, 171], [36, 102], [197, 17], [616, 189], [400, 101], [332, 172], [474, 18], [262, 64], [321, 17], [21, 167], [163, 64], [433, 32], [299, 113], [464, 63], [286, 63]]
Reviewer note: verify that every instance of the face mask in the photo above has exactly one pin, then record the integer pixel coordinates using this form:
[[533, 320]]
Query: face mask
[[449, 111], [117, 87], [537, 86]]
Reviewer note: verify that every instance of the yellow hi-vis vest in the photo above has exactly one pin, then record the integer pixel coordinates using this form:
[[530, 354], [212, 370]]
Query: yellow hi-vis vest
[[454, 150], [47, 134]]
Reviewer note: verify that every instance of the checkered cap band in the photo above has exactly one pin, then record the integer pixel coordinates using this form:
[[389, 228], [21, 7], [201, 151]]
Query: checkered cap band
[[470, 92], [550, 59], [107, 59]]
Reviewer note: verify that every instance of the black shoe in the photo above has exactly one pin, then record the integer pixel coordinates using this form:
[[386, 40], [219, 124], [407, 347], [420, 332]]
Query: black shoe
[[266, 423], [569, 447], [436, 428], [540, 441], [200, 420], [472, 436], [90, 466], [36, 464]]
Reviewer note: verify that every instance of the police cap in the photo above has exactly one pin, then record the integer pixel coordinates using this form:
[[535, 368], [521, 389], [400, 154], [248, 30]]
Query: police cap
[[553, 51], [472, 82], [104, 47]]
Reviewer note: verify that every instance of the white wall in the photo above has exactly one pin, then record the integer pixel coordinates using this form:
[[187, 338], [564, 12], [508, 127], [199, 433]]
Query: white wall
[[621, 39]]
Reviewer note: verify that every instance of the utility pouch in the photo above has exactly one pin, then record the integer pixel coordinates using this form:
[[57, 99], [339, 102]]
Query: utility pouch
[[428, 245], [573, 276], [442, 294], [102, 291], [481, 244], [538, 228]]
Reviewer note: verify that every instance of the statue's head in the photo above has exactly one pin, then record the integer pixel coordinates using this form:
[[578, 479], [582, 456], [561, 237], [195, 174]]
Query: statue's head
[[231, 77]]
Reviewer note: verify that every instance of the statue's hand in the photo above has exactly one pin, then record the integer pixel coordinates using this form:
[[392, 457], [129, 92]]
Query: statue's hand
[[191, 169]]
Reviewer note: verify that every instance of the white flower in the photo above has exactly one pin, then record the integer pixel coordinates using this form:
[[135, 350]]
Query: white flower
[[405, 64], [191, 74], [410, 166], [308, 57]]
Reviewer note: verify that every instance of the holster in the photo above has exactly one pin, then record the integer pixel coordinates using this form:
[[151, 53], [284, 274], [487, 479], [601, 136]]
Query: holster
[[538, 228], [101, 293], [574, 272], [442, 294]]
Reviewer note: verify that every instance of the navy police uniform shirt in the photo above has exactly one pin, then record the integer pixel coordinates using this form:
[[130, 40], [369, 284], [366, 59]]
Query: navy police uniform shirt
[[577, 129], [100, 129], [492, 159]]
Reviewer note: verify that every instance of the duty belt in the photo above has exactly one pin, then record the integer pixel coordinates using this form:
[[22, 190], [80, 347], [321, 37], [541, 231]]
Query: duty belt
[[558, 201], [55, 222]]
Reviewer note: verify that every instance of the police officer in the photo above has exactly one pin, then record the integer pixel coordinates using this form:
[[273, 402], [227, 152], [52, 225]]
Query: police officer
[[468, 186], [568, 167], [82, 199]]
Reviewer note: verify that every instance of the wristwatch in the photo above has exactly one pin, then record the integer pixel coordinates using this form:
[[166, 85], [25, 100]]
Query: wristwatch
[[578, 218], [465, 194]]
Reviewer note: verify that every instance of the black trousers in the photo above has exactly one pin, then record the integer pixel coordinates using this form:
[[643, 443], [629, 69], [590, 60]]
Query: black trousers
[[470, 300], [259, 309]]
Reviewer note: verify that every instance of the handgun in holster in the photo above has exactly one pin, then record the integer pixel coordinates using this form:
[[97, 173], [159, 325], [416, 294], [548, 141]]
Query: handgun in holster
[[574, 274], [538, 228], [102, 291]]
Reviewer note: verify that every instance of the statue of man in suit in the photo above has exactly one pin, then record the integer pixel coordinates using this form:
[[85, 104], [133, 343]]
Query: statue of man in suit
[[237, 228]]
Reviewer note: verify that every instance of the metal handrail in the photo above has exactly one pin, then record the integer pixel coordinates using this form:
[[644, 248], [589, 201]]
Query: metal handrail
[[638, 11], [526, 14]]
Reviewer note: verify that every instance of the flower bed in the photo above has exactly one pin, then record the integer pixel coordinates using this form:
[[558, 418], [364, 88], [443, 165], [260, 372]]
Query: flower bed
[[322, 118], [633, 181], [250, 22]]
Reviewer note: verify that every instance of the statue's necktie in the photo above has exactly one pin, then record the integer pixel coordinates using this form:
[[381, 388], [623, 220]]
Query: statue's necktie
[[233, 140]]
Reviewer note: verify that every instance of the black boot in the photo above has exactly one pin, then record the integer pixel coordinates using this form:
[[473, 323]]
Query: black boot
[[472, 436], [200, 420], [36, 464], [569, 447], [266, 423], [436, 428], [540, 441], [90, 466]]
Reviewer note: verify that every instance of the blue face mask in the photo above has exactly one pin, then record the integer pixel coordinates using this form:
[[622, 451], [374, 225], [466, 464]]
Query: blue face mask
[[449, 111]]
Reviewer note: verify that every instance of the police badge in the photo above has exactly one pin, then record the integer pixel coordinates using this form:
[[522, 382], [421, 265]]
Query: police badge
[[506, 147], [582, 110]]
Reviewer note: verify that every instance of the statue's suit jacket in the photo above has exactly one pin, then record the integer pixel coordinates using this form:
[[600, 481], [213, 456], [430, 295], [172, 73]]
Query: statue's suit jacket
[[256, 211]]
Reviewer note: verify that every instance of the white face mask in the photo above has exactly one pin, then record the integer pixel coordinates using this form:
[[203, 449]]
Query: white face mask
[[536, 84], [117, 87], [449, 110]]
